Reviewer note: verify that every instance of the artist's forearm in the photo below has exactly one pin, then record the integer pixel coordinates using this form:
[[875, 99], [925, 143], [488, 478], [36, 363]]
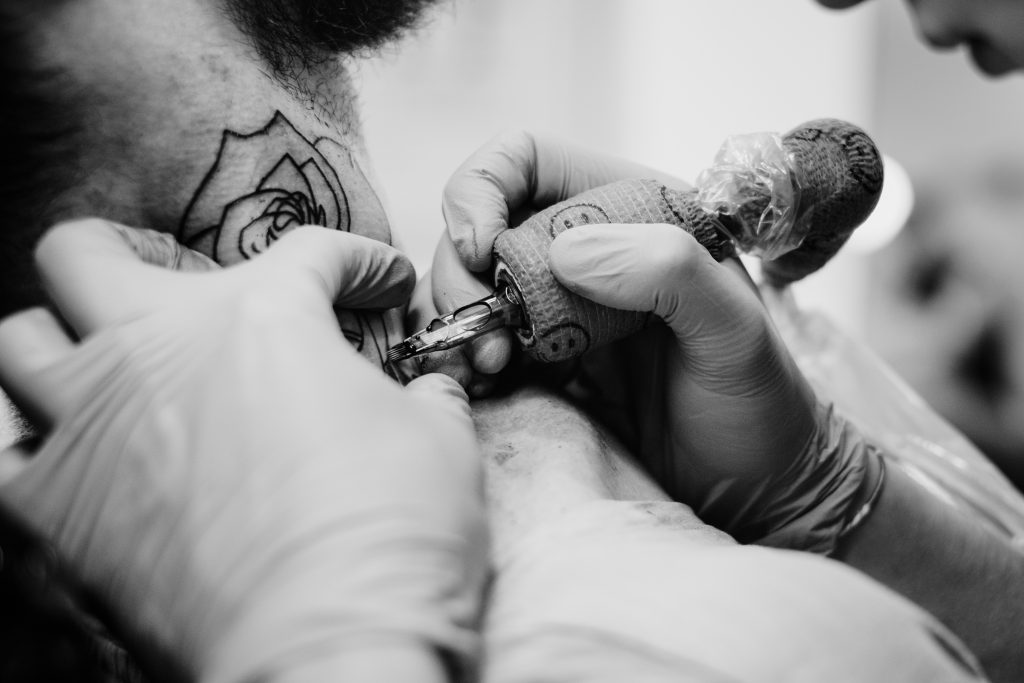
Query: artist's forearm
[[969, 578]]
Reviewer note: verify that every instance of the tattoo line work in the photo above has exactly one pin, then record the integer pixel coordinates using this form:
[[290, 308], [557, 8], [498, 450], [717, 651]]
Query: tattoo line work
[[263, 184]]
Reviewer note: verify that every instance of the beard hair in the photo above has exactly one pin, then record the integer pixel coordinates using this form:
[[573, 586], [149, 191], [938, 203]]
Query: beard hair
[[292, 35]]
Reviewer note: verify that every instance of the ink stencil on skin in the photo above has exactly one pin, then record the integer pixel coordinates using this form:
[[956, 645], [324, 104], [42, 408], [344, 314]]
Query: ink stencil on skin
[[267, 182]]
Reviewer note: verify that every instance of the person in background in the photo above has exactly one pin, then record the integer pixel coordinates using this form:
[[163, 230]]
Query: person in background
[[989, 30]]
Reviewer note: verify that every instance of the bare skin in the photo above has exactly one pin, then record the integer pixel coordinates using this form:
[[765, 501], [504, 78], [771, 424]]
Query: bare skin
[[600, 577]]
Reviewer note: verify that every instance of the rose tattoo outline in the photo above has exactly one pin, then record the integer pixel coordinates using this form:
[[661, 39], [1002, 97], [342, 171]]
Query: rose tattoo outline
[[266, 182]]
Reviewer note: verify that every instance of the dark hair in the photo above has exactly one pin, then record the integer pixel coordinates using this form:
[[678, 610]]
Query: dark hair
[[292, 36], [37, 130]]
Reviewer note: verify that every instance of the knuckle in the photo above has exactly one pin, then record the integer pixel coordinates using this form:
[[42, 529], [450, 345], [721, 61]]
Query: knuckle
[[515, 148], [515, 140], [677, 254], [262, 306], [465, 244], [515, 157]]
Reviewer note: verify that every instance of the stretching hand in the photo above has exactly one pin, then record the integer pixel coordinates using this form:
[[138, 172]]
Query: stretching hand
[[250, 498]]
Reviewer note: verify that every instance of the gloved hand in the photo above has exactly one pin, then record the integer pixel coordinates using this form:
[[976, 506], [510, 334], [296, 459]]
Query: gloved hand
[[250, 498], [711, 403], [502, 184]]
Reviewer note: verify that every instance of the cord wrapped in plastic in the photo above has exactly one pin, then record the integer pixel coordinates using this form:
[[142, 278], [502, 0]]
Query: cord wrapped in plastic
[[756, 165]]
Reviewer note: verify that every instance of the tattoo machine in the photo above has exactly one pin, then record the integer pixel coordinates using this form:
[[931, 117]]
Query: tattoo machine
[[793, 200]]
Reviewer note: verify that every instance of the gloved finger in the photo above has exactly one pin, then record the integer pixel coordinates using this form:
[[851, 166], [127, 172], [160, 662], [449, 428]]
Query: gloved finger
[[454, 287], [477, 199], [13, 461], [161, 249], [94, 276], [443, 393], [663, 269], [30, 342], [515, 171], [352, 271]]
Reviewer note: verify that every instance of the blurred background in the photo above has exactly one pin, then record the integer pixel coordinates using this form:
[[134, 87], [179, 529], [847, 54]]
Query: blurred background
[[664, 82]]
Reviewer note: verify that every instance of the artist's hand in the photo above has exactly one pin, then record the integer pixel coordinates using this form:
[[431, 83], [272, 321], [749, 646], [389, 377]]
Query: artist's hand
[[251, 498], [711, 402], [502, 184], [721, 416]]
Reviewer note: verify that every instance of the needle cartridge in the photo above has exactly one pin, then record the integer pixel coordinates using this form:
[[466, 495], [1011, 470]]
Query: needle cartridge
[[500, 309]]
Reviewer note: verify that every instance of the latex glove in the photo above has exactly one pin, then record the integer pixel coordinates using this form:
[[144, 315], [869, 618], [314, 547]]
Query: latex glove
[[712, 404], [502, 184], [723, 418], [250, 498]]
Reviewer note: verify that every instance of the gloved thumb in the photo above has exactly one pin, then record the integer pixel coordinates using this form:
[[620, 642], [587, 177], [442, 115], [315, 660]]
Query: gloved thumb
[[662, 269], [443, 392], [352, 271]]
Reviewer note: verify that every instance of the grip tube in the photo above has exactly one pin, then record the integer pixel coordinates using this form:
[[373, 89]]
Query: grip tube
[[808, 195], [559, 324]]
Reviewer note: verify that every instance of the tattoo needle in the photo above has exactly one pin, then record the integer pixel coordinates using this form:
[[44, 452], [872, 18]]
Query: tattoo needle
[[499, 309]]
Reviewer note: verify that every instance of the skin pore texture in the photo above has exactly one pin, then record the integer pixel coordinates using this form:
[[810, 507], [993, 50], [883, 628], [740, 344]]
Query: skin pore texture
[[187, 129]]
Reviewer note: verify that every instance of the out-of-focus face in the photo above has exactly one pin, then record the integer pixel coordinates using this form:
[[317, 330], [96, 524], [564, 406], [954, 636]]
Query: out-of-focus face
[[991, 30], [947, 311]]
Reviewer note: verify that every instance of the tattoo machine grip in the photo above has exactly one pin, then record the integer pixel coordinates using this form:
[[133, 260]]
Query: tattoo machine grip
[[794, 200]]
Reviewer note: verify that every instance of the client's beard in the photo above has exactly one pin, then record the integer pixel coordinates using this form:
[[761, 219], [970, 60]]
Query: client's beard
[[299, 34]]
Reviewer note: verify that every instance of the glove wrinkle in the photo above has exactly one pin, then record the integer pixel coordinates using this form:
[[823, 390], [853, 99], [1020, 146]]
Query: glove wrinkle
[[809, 505]]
